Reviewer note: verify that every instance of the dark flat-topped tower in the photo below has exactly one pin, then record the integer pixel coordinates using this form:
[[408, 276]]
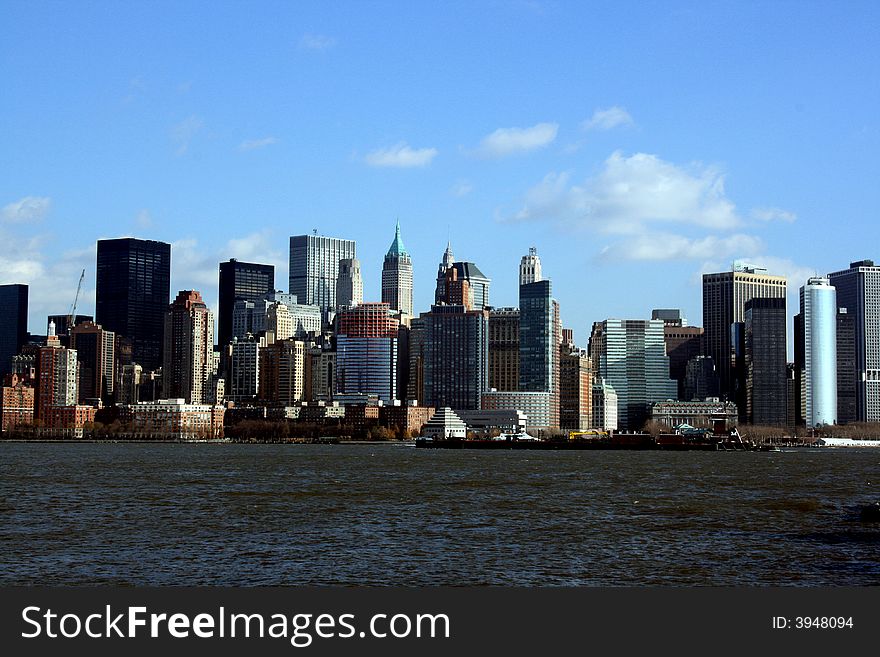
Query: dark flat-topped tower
[[132, 294]]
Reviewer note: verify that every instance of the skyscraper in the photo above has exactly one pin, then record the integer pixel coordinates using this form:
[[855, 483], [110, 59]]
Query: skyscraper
[[683, 343], [13, 323], [847, 390], [240, 281], [765, 362], [819, 366], [95, 350], [858, 290], [724, 297], [453, 349], [466, 272], [504, 349], [366, 352], [132, 292], [349, 284], [189, 349], [630, 355], [314, 269], [530, 267], [397, 277]]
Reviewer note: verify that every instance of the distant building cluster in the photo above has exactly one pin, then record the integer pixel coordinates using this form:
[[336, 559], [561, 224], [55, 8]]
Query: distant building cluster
[[320, 352]]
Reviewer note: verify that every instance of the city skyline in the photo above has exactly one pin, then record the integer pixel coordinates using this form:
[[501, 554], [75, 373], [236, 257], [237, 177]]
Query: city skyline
[[725, 157]]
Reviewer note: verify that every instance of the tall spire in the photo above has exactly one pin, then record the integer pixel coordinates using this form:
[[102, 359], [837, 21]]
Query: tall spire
[[397, 248], [448, 258]]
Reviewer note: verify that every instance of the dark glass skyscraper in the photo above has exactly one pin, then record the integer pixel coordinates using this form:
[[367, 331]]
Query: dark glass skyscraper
[[765, 361], [132, 294], [240, 281], [13, 323]]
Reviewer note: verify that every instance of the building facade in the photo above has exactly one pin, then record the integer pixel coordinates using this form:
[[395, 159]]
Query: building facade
[[189, 349], [765, 362], [818, 301], [95, 348], [847, 368], [349, 284], [314, 269], [504, 349], [132, 290], [16, 404], [724, 297], [604, 406], [13, 324], [247, 281], [397, 278], [630, 355], [366, 352], [575, 389], [858, 290], [175, 419]]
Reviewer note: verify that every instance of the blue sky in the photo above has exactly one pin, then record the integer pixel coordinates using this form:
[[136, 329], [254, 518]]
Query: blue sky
[[635, 144]]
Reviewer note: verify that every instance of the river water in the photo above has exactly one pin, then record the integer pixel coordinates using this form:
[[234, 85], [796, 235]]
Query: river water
[[223, 514]]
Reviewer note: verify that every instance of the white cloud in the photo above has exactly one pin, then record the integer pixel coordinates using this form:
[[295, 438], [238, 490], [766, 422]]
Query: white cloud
[[606, 119], [253, 144], [509, 141], [401, 155], [318, 42], [184, 132], [143, 219], [631, 193], [773, 214], [461, 188], [663, 246], [26, 210]]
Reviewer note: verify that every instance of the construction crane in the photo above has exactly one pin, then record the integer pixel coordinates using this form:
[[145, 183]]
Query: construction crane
[[72, 312]]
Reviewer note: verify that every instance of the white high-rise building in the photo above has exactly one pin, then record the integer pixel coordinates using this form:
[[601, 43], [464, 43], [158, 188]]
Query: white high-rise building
[[314, 268], [530, 267], [349, 284], [819, 316]]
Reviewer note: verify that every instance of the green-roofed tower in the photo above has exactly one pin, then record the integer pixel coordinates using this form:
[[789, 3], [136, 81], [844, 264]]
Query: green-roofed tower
[[397, 278]]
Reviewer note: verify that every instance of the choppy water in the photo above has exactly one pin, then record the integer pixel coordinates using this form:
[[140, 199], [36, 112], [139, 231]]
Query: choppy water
[[392, 515]]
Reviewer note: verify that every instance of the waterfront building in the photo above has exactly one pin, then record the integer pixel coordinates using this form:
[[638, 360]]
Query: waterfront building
[[445, 424], [476, 290], [247, 281], [530, 267], [349, 284], [132, 290], [502, 420], [701, 379], [630, 355], [57, 374], [575, 388], [95, 349], [818, 364], [453, 347], [175, 419], [282, 376], [415, 387], [858, 290], [13, 324], [16, 403], [699, 414], [244, 371], [314, 269], [457, 291], [765, 362], [320, 373], [847, 367], [683, 343], [504, 349], [366, 351], [540, 408], [724, 297], [397, 278], [129, 384], [604, 406], [408, 419], [445, 265], [189, 349]]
